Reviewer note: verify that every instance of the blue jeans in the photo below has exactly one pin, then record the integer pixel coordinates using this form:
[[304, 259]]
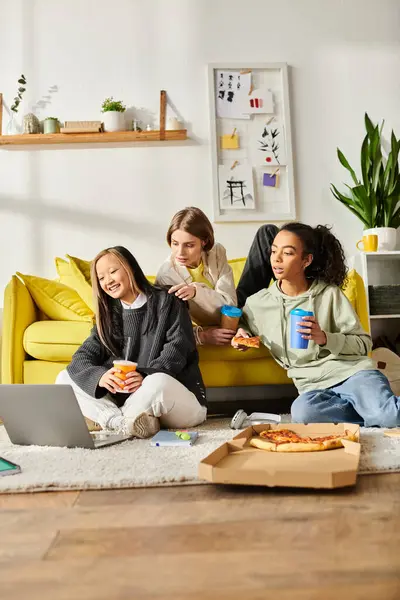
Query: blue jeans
[[364, 398]]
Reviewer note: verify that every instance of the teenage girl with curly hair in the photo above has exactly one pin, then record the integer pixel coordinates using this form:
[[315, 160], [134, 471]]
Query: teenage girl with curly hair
[[335, 378]]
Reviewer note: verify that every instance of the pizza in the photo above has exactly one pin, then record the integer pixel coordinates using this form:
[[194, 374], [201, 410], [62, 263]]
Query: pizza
[[285, 440], [250, 342]]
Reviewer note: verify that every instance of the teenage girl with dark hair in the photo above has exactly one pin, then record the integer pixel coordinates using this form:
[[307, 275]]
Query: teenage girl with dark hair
[[336, 379], [139, 322], [198, 271]]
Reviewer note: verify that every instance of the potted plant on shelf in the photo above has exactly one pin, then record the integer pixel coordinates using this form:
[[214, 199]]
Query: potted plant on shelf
[[113, 115], [375, 199], [51, 125]]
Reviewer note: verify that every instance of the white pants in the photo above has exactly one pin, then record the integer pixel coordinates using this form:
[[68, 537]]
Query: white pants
[[159, 395]]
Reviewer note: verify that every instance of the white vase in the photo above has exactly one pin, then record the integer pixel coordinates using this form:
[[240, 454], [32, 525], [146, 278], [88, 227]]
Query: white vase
[[387, 237], [114, 121]]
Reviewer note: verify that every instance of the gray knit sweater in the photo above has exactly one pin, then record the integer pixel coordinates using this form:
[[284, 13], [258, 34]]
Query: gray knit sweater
[[166, 347]]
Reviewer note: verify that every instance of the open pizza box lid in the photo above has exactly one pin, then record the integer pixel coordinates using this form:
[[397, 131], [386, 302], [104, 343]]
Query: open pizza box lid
[[239, 463]]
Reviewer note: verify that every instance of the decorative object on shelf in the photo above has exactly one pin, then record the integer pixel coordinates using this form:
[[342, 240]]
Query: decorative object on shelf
[[51, 125], [113, 114], [31, 124], [81, 127], [369, 242], [250, 126], [375, 199], [136, 125], [174, 124], [13, 126], [18, 97]]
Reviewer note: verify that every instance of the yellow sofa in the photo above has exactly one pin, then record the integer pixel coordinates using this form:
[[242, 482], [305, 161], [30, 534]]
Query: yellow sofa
[[36, 348]]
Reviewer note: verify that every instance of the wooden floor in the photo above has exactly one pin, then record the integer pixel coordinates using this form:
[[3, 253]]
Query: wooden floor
[[203, 542]]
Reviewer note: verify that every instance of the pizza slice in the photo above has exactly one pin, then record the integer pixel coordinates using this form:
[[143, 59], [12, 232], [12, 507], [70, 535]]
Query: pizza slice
[[249, 342]]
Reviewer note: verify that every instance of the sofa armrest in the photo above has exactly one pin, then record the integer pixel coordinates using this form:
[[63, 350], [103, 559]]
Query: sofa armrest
[[18, 313]]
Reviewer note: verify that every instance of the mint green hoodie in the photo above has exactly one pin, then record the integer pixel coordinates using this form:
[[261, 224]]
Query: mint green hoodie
[[267, 314]]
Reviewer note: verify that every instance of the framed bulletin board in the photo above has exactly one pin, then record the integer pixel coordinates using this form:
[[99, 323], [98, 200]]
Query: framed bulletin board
[[252, 159]]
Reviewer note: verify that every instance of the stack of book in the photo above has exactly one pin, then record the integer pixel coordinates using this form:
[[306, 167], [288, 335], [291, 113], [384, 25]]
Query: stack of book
[[81, 127]]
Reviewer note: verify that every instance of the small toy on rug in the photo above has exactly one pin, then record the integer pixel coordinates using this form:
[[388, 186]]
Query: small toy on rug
[[174, 438]]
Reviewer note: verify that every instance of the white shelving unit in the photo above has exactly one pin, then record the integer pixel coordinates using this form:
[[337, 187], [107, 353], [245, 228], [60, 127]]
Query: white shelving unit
[[382, 268]]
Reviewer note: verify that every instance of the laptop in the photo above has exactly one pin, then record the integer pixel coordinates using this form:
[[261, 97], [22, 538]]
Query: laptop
[[48, 415]]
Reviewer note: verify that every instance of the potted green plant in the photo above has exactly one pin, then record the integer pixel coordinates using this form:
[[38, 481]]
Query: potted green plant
[[113, 115], [375, 198], [51, 125]]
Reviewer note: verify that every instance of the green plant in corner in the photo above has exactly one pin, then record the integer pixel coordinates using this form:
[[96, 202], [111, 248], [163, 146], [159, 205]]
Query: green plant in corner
[[51, 119], [18, 97], [110, 104], [375, 200]]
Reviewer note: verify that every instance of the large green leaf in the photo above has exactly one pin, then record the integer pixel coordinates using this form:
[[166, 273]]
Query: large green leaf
[[365, 162], [349, 202], [368, 124], [346, 165]]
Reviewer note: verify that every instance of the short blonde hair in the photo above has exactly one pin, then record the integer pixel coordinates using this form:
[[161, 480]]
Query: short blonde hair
[[193, 221]]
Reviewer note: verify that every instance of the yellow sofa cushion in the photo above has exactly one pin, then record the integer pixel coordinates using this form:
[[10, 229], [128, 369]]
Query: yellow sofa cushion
[[56, 300], [237, 265], [80, 283], [84, 266], [354, 290], [42, 371], [55, 340]]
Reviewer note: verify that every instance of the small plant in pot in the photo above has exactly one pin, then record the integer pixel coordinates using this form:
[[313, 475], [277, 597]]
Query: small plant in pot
[[375, 199], [113, 115], [51, 125]]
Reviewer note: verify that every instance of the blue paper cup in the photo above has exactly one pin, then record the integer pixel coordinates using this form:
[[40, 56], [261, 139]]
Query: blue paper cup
[[296, 316]]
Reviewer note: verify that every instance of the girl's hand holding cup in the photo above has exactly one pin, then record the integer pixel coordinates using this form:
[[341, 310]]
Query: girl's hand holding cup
[[110, 381], [132, 382], [309, 329]]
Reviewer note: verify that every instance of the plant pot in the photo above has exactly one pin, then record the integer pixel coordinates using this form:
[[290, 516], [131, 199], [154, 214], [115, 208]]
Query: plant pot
[[387, 237], [51, 126], [114, 121]]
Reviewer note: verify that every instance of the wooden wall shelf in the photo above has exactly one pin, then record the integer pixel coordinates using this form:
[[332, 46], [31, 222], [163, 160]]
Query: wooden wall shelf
[[94, 138], [90, 138]]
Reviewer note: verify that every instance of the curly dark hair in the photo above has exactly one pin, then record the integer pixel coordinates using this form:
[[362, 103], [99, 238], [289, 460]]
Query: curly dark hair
[[328, 262]]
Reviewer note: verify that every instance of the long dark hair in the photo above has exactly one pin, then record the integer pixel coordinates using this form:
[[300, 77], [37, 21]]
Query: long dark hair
[[109, 310], [328, 262]]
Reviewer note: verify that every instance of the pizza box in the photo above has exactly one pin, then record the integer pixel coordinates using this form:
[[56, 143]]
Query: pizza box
[[236, 462]]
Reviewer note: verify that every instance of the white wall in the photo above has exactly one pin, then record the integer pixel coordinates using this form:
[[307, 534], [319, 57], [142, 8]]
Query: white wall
[[345, 60]]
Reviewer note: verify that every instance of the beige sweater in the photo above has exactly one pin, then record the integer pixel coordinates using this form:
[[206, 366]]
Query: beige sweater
[[206, 305]]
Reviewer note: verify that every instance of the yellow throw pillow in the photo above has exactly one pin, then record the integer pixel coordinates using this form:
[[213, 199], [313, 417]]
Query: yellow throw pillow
[[64, 272], [237, 265], [151, 278], [58, 301], [354, 290], [80, 283], [83, 265]]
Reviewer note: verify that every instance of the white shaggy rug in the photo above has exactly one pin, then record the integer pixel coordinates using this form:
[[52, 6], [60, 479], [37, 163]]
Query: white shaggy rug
[[136, 464]]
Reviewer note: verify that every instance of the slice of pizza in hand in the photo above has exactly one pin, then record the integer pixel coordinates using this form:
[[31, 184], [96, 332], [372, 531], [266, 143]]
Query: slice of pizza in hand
[[249, 342]]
